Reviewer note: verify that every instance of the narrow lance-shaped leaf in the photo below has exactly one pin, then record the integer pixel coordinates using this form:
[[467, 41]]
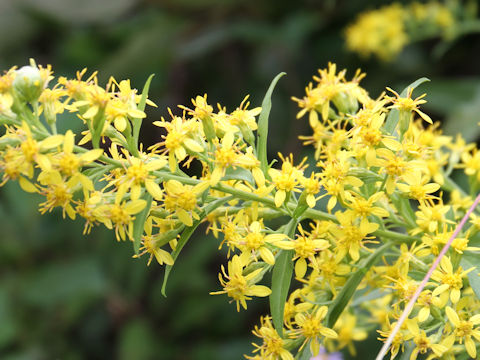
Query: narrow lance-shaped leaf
[[98, 123], [404, 208], [187, 233], [393, 115], [281, 278], [468, 261], [262, 132], [139, 223], [137, 122], [348, 290], [304, 354]]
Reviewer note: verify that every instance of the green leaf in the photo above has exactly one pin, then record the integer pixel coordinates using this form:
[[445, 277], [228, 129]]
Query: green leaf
[[187, 233], [239, 174], [305, 354], [413, 86], [407, 352], [139, 223], [393, 116], [281, 278], [461, 118], [98, 123], [472, 260], [143, 98], [404, 208], [262, 132], [141, 106], [348, 290], [368, 296]]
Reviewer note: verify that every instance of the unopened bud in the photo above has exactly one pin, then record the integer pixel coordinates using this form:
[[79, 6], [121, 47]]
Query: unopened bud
[[28, 83], [345, 103]]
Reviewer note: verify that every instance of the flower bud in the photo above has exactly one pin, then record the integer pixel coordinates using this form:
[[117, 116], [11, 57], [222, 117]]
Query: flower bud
[[302, 206], [404, 120], [345, 103], [28, 83], [208, 127], [247, 134]]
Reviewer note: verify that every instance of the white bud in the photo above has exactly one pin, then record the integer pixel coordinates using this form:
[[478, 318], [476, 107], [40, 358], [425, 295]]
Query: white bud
[[28, 83]]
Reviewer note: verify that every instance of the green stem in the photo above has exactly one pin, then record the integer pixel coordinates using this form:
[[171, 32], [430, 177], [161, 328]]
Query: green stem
[[450, 185], [102, 158], [308, 214]]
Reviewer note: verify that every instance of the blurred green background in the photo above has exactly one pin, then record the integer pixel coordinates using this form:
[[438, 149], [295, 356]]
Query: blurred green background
[[68, 296]]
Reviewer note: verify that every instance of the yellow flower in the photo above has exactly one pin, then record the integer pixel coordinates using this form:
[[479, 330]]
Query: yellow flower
[[417, 186], [408, 104], [50, 104], [242, 117], [33, 150], [435, 241], [238, 286], [123, 105], [150, 246], [311, 102], [379, 32], [351, 234], [95, 100], [58, 192], [449, 280], [348, 332], [202, 108], [408, 255], [118, 112], [460, 201], [306, 247], [255, 240], [12, 165], [120, 215], [431, 216], [464, 330], [312, 187], [68, 162], [426, 300], [319, 138], [310, 325], [365, 207], [287, 179], [330, 272], [403, 285], [330, 86], [367, 136], [393, 165], [182, 137], [471, 163], [335, 177], [398, 340], [138, 175], [86, 208], [295, 305], [228, 154], [422, 342], [182, 200], [273, 346]]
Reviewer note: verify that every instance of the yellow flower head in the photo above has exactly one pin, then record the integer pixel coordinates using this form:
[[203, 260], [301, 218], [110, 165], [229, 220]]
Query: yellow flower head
[[287, 179], [238, 286]]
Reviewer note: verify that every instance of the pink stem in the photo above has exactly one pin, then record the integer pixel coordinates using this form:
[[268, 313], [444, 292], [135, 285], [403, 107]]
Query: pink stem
[[412, 301]]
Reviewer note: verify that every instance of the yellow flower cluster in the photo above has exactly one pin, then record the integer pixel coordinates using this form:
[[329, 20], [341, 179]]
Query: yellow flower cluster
[[357, 230], [384, 32]]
